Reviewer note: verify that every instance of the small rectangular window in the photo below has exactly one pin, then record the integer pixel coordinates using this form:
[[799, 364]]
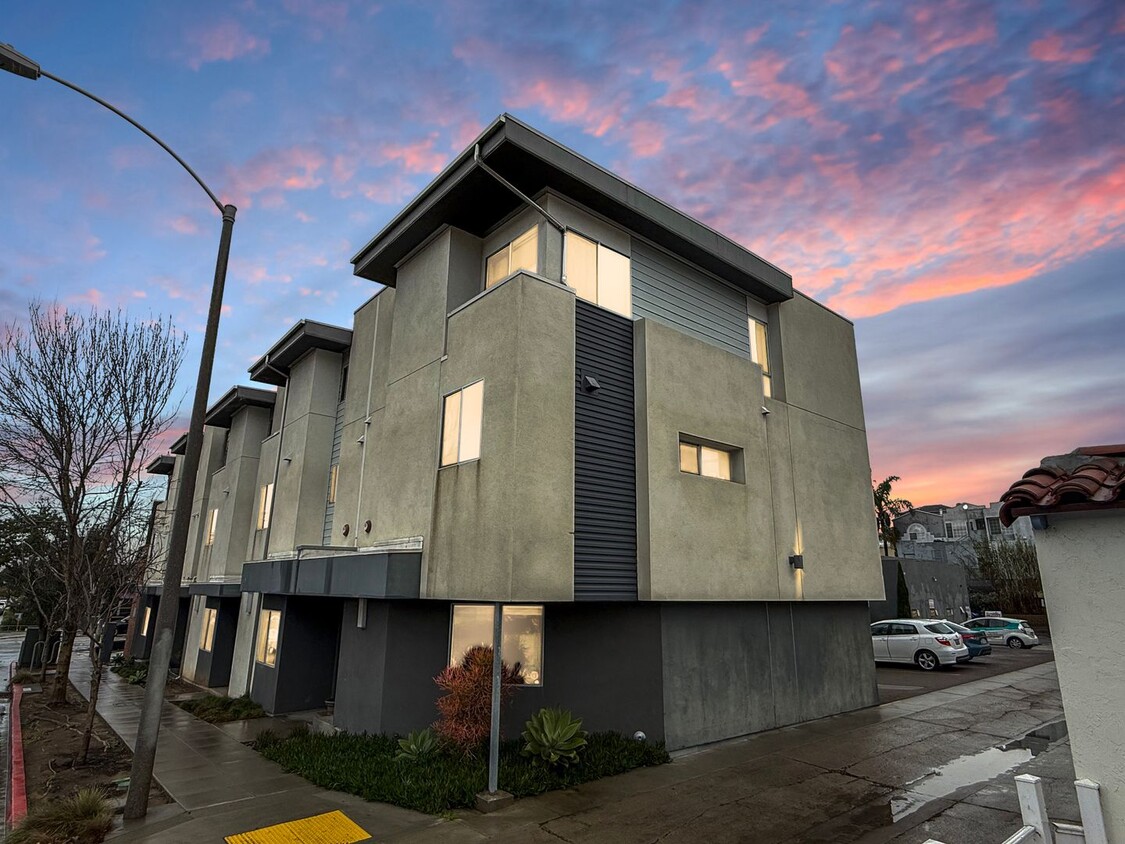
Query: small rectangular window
[[759, 352], [207, 636], [265, 506], [521, 254], [461, 425], [521, 636], [212, 524], [948, 531], [144, 624], [333, 476], [269, 628], [705, 460], [598, 274]]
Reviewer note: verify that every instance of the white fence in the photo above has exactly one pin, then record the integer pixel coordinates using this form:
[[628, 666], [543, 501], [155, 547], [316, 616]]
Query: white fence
[[1039, 829]]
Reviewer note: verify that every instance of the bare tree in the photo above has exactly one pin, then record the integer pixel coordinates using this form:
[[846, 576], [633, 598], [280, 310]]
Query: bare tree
[[83, 398]]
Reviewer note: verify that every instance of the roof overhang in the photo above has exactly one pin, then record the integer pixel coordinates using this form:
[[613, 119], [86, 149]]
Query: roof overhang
[[465, 196], [222, 412], [302, 338], [179, 446], [162, 465]]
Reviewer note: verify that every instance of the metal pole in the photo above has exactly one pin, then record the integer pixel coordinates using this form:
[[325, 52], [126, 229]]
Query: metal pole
[[494, 737], [144, 753]]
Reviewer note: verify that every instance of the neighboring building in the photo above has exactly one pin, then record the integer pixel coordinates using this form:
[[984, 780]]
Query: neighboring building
[[923, 529], [934, 589], [1077, 505], [626, 429]]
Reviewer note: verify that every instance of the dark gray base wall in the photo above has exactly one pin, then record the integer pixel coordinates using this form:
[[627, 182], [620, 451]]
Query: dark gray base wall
[[306, 655], [685, 673], [944, 583], [212, 668], [142, 645]]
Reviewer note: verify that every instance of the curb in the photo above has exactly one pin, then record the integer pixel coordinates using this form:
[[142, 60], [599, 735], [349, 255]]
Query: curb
[[17, 791]]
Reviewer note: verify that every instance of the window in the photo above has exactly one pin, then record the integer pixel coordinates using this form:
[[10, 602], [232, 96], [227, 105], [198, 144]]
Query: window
[[948, 531], [903, 630], [207, 637], [705, 460], [333, 475], [269, 626], [343, 382], [880, 629], [598, 274], [521, 636], [521, 254], [212, 524], [759, 352], [460, 430], [265, 506], [144, 624], [994, 526]]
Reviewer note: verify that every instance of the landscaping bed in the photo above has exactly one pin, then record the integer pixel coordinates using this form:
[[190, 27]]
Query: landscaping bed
[[220, 710], [366, 766]]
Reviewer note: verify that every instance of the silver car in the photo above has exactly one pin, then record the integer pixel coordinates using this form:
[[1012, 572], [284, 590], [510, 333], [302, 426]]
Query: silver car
[[928, 644], [1013, 632]]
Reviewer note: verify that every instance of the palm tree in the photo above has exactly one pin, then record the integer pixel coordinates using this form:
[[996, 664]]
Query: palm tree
[[887, 509]]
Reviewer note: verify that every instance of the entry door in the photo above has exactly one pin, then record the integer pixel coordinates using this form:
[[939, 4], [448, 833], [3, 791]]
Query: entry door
[[902, 642], [879, 641]]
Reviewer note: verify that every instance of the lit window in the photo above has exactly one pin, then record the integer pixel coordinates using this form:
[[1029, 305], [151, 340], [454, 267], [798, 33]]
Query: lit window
[[212, 524], [705, 460], [521, 254], [265, 506], [333, 475], [598, 274], [207, 637], [269, 626], [144, 624], [521, 636], [759, 352], [460, 430]]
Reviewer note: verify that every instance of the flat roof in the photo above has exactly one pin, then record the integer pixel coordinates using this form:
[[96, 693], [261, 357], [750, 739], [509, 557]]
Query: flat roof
[[465, 196], [308, 334], [162, 465], [219, 415]]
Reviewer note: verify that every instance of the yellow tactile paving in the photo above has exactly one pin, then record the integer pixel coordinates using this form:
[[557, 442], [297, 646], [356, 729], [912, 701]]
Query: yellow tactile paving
[[329, 828]]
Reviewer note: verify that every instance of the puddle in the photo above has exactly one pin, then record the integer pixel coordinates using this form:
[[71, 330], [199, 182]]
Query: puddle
[[974, 768]]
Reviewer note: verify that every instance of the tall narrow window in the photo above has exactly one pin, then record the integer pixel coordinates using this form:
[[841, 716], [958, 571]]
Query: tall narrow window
[[704, 460], [207, 636], [333, 475], [212, 524], [461, 425], [759, 352], [521, 636], [144, 624], [598, 274], [265, 506], [521, 254], [269, 628]]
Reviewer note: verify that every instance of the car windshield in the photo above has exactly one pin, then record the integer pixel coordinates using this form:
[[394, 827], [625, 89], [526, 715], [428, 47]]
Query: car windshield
[[939, 627]]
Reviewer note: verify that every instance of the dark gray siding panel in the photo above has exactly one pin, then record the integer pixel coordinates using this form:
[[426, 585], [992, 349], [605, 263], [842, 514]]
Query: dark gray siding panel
[[605, 473], [672, 292]]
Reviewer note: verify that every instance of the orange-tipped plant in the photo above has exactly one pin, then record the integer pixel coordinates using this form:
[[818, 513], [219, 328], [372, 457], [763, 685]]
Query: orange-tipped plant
[[466, 706]]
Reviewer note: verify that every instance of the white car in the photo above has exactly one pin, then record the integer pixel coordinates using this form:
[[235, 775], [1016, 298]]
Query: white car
[[1013, 632], [928, 644]]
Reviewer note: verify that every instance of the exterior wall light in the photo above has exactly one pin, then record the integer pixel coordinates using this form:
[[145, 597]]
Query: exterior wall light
[[797, 561]]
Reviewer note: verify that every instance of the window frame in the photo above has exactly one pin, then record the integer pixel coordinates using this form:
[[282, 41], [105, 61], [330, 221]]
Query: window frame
[[756, 353], [458, 461], [598, 247], [207, 634], [508, 248], [212, 527], [146, 621], [735, 458], [333, 481], [532, 684], [261, 656], [265, 506]]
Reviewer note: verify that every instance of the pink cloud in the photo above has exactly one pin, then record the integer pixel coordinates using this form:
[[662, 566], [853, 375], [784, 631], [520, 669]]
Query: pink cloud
[[976, 94], [417, 157], [1053, 48], [223, 42], [183, 225], [286, 169]]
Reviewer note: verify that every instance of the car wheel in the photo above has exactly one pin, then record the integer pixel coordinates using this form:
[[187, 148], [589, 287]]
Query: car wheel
[[926, 660], [1015, 643]]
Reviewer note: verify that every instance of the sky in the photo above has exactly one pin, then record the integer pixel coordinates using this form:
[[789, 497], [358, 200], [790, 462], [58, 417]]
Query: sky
[[949, 175]]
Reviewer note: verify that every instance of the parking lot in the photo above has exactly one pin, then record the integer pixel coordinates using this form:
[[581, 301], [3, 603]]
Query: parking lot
[[902, 681]]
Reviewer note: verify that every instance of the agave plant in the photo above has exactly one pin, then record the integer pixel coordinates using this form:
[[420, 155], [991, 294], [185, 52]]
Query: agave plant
[[417, 746], [554, 736]]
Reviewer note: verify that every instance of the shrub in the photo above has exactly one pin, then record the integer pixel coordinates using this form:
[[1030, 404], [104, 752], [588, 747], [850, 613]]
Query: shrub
[[417, 746], [132, 672], [83, 818], [554, 736], [219, 710], [466, 708]]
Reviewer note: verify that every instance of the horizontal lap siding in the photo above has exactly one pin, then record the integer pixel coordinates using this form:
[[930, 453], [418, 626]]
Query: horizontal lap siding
[[605, 472], [676, 294]]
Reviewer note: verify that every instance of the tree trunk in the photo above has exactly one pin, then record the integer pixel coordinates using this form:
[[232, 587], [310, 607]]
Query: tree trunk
[[91, 710], [62, 666]]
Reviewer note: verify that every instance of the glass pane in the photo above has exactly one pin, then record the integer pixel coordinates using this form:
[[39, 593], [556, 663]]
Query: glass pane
[[582, 266], [759, 346], [614, 285], [525, 252], [523, 641], [767, 386], [496, 267], [148, 618], [333, 476], [450, 428], [272, 630], [472, 625], [472, 408], [714, 463], [689, 458]]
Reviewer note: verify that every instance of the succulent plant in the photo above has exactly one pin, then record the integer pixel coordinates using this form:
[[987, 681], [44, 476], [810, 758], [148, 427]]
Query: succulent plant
[[554, 736]]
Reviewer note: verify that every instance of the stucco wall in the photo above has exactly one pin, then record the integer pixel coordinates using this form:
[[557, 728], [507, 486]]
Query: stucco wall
[[242, 658], [1080, 559]]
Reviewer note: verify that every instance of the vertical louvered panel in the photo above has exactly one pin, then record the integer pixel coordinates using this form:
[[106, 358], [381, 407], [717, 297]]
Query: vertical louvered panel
[[605, 474]]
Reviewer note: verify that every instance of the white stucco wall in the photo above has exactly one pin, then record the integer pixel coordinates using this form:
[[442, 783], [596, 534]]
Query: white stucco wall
[[1082, 560]]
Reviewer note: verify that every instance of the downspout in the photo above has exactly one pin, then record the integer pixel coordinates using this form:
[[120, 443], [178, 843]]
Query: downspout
[[277, 462]]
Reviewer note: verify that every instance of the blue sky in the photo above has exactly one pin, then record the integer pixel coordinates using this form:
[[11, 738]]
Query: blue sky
[[949, 175]]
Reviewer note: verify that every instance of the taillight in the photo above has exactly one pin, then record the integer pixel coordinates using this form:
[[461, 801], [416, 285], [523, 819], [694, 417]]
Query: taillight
[[941, 640]]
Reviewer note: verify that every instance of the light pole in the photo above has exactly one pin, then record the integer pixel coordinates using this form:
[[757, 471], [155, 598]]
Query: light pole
[[144, 754]]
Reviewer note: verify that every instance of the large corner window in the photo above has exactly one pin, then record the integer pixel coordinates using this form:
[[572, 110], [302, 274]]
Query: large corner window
[[521, 636], [521, 254], [759, 352], [265, 505], [598, 274], [207, 635], [709, 461], [269, 628], [461, 423], [212, 525]]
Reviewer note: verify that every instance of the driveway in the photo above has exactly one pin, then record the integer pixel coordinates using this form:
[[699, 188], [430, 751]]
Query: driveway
[[902, 681]]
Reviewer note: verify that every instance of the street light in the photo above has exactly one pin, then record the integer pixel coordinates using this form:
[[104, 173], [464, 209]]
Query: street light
[[144, 754]]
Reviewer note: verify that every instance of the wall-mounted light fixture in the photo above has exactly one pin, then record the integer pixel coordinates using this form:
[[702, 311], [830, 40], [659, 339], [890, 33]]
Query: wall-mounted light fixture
[[590, 384], [287, 459], [797, 561]]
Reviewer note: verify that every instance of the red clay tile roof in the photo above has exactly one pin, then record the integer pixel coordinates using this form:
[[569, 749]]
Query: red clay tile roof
[[1090, 478]]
